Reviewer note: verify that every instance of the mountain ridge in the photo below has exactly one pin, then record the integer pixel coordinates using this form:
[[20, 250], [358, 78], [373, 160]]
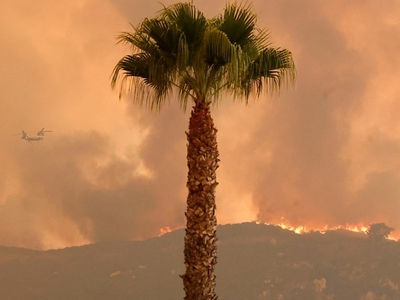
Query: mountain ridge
[[255, 261]]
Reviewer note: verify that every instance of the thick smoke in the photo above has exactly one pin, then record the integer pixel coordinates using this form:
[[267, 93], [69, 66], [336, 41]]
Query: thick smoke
[[325, 152], [105, 172], [74, 188], [331, 146]]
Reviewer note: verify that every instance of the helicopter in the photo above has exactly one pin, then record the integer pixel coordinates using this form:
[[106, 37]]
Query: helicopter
[[39, 136]]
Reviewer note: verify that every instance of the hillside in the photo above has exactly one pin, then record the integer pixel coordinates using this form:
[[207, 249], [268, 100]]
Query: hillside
[[255, 262]]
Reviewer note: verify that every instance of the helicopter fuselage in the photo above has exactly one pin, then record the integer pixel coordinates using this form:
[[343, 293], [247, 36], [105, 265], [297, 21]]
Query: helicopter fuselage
[[33, 138]]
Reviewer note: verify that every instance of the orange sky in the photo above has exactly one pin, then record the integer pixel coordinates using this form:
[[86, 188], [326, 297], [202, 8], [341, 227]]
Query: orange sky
[[324, 153]]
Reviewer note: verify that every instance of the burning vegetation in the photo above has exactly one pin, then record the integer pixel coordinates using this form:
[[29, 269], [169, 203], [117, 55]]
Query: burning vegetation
[[376, 231]]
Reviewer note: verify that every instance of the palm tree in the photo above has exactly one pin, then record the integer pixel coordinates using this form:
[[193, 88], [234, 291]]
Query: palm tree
[[200, 58]]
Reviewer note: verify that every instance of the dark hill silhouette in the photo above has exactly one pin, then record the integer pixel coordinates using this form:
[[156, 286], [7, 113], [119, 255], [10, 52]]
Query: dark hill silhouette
[[255, 262]]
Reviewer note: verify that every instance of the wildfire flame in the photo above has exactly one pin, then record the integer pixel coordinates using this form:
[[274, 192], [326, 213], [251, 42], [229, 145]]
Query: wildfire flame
[[164, 230], [360, 228]]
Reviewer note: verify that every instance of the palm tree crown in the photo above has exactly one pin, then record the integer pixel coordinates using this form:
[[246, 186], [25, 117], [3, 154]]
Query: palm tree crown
[[200, 57]]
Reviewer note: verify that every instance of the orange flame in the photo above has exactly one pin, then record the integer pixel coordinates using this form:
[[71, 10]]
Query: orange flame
[[360, 228], [164, 230], [302, 229]]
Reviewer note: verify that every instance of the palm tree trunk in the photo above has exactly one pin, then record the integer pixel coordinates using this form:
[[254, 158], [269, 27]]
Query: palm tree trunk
[[200, 240]]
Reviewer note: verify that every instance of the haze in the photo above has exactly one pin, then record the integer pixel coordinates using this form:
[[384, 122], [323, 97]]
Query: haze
[[325, 152]]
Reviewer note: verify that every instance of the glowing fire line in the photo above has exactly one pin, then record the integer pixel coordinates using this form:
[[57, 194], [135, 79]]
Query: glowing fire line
[[164, 230], [360, 228]]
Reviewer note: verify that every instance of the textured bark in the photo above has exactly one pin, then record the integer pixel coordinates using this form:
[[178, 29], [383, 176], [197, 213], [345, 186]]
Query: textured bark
[[200, 240]]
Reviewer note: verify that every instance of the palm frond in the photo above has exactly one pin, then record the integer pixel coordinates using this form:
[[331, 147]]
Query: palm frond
[[137, 40], [147, 73], [270, 69], [134, 65], [259, 41], [218, 50], [238, 23], [183, 53], [164, 34], [189, 21], [274, 62]]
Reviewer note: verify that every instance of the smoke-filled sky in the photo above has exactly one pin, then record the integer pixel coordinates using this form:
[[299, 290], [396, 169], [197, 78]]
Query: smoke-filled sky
[[325, 152]]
